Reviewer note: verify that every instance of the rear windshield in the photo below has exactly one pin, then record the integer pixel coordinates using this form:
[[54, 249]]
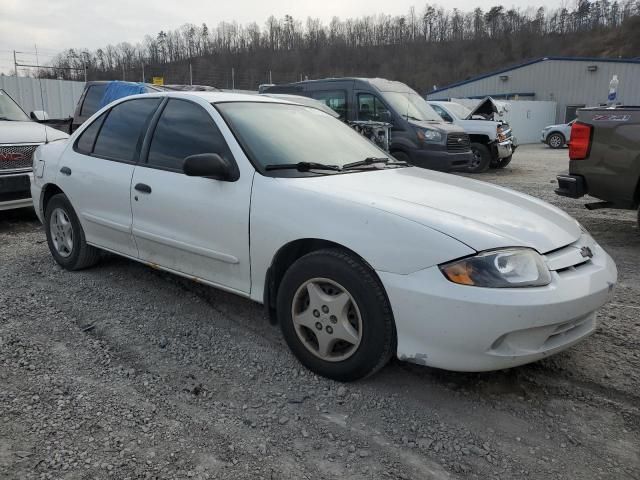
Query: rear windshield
[[92, 99]]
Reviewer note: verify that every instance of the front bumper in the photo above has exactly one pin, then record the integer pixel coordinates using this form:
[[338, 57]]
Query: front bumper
[[15, 190], [462, 328], [442, 161], [505, 149]]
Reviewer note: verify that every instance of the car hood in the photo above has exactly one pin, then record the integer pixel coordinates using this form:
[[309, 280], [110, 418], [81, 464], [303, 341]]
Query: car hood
[[481, 215], [28, 132]]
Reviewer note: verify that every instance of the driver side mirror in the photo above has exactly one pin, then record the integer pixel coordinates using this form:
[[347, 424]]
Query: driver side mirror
[[39, 115], [210, 165], [385, 116]]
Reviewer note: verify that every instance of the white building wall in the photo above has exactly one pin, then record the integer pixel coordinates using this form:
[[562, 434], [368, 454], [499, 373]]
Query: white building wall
[[566, 82], [59, 96]]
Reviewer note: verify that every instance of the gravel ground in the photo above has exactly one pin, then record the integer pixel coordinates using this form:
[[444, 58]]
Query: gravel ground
[[122, 372]]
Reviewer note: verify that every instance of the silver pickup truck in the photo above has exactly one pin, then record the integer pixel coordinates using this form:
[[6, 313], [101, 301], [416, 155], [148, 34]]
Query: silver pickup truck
[[19, 138], [604, 153]]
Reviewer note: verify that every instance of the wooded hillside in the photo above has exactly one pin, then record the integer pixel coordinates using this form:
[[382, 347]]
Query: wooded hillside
[[427, 47]]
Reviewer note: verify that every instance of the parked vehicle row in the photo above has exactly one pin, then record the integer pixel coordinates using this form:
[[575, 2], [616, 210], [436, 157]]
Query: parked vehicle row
[[604, 155], [357, 256]]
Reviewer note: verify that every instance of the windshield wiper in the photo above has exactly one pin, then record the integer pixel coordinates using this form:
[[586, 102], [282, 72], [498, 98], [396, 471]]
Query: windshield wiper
[[366, 161], [7, 119], [302, 166]]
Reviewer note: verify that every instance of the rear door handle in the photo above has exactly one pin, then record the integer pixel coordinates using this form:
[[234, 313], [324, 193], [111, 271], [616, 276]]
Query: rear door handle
[[65, 171], [142, 187]]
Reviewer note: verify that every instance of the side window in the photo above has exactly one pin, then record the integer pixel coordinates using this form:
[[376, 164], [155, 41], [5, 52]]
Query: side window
[[120, 137], [370, 108], [335, 99], [92, 99], [440, 111], [184, 129], [87, 139]]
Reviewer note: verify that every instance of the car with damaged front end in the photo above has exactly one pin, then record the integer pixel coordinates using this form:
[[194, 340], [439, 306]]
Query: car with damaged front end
[[357, 256]]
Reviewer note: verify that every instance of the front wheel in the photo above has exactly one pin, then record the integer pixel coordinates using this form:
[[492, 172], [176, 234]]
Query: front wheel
[[335, 316], [65, 236], [556, 140], [481, 158]]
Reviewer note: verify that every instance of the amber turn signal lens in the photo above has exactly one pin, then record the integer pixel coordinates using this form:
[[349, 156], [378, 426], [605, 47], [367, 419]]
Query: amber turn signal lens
[[459, 273]]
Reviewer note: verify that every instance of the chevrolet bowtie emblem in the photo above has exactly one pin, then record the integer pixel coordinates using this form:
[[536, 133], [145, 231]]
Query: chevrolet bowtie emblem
[[586, 252]]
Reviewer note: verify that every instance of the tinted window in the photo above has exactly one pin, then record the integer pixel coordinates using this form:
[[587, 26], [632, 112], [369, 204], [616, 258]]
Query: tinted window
[[92, 99], [121, 134], [88, 137], [336, 100], [184, 129], [370, 107]]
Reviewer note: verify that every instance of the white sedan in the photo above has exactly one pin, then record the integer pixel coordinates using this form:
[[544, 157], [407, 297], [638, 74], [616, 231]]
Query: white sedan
[[358, 257]]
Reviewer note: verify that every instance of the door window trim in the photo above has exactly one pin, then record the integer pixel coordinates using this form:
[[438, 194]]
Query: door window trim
[[106, 114], [146, 144]]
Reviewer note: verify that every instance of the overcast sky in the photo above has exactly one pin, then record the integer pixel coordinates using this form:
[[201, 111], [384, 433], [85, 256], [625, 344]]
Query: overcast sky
[[55, 25]]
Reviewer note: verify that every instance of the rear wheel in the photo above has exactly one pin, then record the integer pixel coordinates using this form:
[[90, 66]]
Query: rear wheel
[[556, 140], [65, 236], [481, 158], [335, 316]]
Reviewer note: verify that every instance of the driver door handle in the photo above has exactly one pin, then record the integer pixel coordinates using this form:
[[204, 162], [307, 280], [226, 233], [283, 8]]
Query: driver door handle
[[142, 187]]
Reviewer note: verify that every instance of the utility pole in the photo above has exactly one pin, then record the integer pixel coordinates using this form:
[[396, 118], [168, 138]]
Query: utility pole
[[15, 63], [270, 79], [190, 74], [123, 72], [85, 73], [233, 79], [142, 72]]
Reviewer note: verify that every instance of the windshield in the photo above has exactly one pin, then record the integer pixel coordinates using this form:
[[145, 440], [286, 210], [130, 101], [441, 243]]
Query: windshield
[[277, 133], [411, 106], [9, 110], [458, 110]]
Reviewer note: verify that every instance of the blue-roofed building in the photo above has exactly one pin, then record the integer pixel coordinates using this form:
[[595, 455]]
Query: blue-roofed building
[[571, 82]]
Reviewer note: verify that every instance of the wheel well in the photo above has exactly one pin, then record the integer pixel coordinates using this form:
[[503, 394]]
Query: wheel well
[[284, 258], [557, 133], [475, 138], [49, 191]]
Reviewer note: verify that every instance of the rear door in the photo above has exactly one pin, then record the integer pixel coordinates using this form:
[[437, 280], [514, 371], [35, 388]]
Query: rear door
[[96, 173], [195, 226]]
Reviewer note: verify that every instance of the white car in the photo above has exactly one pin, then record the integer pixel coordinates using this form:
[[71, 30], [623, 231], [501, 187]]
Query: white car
[[358, 257], [557, 136], [19, 138]]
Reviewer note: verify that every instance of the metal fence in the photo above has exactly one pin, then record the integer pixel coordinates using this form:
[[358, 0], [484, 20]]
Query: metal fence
[[57, 97]]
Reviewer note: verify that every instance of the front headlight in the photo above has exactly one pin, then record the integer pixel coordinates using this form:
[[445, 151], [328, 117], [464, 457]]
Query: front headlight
[[428, 135], [511, 267]]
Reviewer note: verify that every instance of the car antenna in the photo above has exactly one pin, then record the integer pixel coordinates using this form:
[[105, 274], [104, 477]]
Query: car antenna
[[46, 139]]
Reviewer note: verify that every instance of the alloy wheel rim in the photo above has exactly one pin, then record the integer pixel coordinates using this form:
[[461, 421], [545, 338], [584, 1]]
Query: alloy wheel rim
[[61, 232], [477, 158], [555, 141], [326, 319]]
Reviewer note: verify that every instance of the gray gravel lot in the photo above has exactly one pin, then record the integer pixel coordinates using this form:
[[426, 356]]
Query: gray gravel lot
[[121, 371]]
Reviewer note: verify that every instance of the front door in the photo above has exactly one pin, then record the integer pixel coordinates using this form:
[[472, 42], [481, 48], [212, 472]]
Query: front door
[[96, 174], [195, 226]]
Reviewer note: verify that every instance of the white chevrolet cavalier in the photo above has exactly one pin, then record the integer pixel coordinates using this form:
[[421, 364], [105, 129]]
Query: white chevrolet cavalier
[[357, 256]]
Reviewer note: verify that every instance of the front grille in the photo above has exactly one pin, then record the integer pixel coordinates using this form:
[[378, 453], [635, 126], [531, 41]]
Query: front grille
[[458, 142], [16, 157]]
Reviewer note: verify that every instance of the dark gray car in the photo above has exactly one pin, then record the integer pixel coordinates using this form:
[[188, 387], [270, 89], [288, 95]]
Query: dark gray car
[[418, 136]]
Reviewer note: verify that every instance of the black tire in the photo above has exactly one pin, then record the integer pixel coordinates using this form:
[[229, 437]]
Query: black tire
[[81, 254], [378, 335], [504, 162], [481, 158], [401, 157], [556, 140]]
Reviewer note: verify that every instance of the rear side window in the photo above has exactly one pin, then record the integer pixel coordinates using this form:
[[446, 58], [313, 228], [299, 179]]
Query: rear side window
[[184, 129], [120, 137], [88, 138], [92, 99], [335, 99]]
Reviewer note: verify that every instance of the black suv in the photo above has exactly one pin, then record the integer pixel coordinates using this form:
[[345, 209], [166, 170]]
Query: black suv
[[418, 136]]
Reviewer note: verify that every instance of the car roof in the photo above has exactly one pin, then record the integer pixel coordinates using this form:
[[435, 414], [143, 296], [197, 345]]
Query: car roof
[[215, 97]]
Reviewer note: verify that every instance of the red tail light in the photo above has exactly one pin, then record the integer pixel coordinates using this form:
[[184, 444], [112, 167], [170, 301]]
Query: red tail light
[[580, 141]]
